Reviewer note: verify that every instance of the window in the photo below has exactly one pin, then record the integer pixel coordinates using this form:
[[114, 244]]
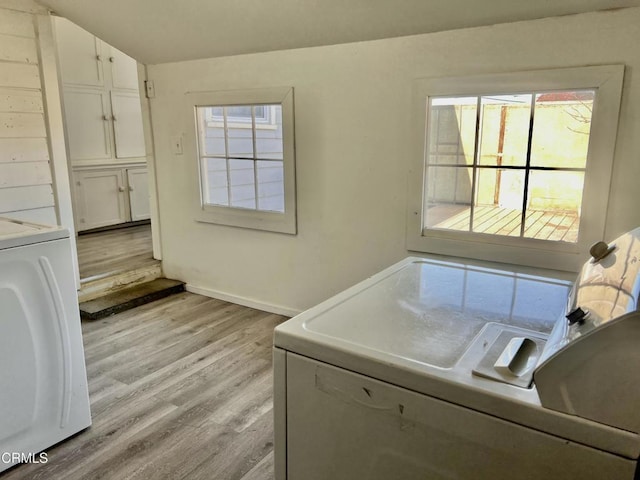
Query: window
[[517, 160], [509, 165], [246, 158]]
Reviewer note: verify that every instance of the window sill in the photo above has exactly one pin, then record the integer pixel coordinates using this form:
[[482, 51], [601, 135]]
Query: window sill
[[245, 218]]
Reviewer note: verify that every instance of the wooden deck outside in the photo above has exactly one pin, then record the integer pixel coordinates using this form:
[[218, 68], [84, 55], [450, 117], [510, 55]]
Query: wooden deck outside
[[539, 224]]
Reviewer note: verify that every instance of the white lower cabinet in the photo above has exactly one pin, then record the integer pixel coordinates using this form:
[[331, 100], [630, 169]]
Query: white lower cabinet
[[109, 196], [138, 184]]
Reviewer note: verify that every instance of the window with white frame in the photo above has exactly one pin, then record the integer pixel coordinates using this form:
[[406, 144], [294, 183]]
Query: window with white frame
[[515, 164], [246, 158]]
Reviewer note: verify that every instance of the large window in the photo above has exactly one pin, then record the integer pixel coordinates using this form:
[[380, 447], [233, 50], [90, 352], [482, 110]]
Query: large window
[[509, 165], [246, 158], [516, 160]]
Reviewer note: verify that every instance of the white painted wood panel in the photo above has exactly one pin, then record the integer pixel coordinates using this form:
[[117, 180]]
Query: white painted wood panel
[[23, 174], [19, 75], [26, 191], [26, 198], [22, 125], [138, 180], [124, 70], [20, 100], [18, 49], [16, 23], [23, 149], [80, 54], [87, 120], [127, 125], [45, 215], [23, 5]]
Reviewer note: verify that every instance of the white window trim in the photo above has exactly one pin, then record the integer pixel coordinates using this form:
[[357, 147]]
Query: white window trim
[[242, 217], [607, 80]]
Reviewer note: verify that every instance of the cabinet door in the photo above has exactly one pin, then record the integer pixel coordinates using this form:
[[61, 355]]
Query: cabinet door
[[127, 125], [87, 120], [138, 180], [80, 55], [100, 198], [124, 69]]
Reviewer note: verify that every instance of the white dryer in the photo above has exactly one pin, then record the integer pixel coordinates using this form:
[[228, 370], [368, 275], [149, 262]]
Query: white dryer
[[43, 383]]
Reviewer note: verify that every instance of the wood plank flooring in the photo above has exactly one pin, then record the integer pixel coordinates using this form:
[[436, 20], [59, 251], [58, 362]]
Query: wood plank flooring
[[180, 389], [111, 251], [543, 225]]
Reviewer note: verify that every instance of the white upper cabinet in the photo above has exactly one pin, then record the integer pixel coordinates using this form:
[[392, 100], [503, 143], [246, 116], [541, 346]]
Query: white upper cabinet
[[80, 55], [101, 99], [127, 124], [124, 70], [87, 116]]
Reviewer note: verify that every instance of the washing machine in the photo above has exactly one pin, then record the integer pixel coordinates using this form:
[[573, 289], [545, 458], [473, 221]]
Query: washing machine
[[447, 369], [43, 383]]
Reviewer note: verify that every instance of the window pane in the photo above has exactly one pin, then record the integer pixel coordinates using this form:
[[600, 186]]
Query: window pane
[[562, 124], [452, 130], [239, 136], [448, 198], [499, 198], [241, 112], [211, 127], [553, 211], [269, 140], [270, 185], [214, 181], [242, 183], [262, 113], [505, 129]]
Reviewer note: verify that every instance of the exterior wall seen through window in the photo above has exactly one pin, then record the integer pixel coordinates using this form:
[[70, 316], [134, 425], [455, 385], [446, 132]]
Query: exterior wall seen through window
[[241, 152]]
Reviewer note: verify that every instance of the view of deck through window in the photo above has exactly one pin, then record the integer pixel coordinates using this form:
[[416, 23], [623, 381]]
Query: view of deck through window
[[510, 165]]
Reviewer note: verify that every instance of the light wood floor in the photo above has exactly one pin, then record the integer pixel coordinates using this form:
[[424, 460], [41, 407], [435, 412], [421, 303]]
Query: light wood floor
[[540, 224], [114, 250], [180, 389]]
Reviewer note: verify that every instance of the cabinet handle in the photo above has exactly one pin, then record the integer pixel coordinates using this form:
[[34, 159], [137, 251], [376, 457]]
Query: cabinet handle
[[105, 118], [113, 117], [99, 58], [121, 189], [111, 59], [130, 188]]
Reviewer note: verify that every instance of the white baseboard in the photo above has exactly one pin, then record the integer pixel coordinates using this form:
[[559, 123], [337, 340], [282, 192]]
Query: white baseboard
[[247, 302]]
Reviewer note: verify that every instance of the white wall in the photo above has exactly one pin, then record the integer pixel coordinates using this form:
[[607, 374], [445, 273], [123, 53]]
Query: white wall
[[352, 118]]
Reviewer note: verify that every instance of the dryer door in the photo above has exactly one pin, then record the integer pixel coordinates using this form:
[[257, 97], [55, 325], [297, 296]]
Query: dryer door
[[36, 351]]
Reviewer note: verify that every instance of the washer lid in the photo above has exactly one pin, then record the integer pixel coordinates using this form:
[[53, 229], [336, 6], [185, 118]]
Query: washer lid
[[16, 233], [428, 312]]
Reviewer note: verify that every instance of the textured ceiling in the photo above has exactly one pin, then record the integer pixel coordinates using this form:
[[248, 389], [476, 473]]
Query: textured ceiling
[[160, 31]]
